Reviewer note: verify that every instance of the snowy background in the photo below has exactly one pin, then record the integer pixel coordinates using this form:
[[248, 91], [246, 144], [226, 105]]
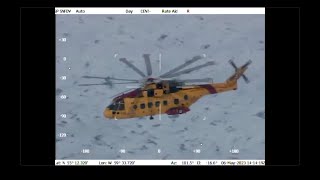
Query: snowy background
[[233, 120]]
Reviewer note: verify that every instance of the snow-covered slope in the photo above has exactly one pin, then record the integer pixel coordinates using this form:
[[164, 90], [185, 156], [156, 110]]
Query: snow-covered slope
[[232, 119]]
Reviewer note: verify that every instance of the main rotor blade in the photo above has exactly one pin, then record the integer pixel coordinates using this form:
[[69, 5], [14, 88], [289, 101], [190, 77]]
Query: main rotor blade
[[95, 77], [196, 80], [124, 60], [107, 83], [191, 69], [110, 78], [125, 83], [187, 63], [93, 84], [148, 63], [121, 79]]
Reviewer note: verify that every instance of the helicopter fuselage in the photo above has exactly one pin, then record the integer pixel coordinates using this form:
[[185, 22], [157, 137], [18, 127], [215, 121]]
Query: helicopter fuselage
[[162, 99]]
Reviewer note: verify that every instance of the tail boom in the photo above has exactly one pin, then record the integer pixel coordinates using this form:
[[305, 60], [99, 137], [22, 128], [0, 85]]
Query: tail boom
[[231, 83]]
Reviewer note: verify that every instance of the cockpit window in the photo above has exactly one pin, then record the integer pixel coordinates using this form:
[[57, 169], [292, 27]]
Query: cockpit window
[[111, 106], [116, 106]]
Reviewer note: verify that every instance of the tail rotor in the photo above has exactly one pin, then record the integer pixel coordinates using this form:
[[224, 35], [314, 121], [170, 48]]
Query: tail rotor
[[242, 69]]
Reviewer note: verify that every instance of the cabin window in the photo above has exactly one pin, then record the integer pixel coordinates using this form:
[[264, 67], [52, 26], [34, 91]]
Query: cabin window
[[186, 97], [117, 112], [157, 103], [176, 101], [135, 106], [150, 92], [165, 102], [113, 112], [142, 106], [149, 104]]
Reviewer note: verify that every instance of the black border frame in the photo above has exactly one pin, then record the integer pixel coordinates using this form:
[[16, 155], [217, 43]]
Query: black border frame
[[37, 45]]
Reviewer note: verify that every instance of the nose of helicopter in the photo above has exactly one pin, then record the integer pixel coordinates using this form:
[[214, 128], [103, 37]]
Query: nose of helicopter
[[107, 113]]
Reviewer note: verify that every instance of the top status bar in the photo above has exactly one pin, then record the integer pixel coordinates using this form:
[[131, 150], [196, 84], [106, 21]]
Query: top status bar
[[165, 10]]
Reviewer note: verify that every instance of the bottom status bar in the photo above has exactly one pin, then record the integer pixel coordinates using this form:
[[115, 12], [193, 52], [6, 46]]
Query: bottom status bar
[[160, 162]]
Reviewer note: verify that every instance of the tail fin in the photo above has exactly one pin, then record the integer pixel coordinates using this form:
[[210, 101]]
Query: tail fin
[[239, 72]]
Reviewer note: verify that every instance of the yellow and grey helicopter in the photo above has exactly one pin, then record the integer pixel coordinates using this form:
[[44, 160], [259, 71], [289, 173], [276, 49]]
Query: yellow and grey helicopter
[[164, 94]]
